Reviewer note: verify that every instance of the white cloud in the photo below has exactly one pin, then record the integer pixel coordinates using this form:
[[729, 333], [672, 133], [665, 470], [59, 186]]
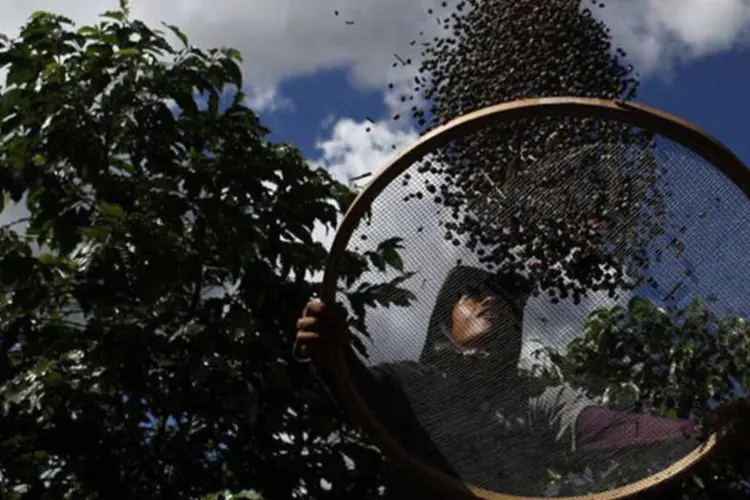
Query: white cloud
[[267, 99], [289, 38], [354, 148], [278, 40], [657, 34]]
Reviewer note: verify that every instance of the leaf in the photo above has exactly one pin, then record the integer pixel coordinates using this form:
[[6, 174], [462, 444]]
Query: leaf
[[53, 379], [213, 102], [20, 74], [185, 101], [699, 482], [400, 279], [377, 261], [393, 259], [87, 31], [177, 32], [47, 259], [233, 54], [391, 243], [402, 297], [344, 197], [129, 52], [103, 50], [233, 71], [111, 210], [39, 15], [115, 15], [12, 99]]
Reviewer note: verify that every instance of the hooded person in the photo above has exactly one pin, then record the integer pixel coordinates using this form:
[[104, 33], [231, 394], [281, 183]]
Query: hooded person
[[465, 409], [469, 360]]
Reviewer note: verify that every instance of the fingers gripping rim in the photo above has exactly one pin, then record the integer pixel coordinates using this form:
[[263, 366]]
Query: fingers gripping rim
[[336, 335], [301, 348], [637, 115]]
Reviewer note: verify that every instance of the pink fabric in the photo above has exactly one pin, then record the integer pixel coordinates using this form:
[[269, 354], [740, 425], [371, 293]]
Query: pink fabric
[[601, 429]]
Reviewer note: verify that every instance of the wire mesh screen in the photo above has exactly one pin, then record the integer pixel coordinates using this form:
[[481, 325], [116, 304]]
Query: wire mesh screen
[[554, 307]]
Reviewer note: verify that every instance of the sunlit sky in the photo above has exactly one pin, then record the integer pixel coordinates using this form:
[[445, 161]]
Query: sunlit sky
[[316, 77]]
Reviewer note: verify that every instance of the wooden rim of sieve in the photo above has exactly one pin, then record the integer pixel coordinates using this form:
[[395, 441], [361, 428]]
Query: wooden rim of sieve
[[333, 359]]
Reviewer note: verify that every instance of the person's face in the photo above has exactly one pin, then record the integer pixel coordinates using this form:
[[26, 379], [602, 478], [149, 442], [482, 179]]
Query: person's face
[[471, 318]]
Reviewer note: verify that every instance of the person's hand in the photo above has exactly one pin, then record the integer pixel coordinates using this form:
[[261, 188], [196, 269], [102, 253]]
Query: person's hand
[[319, 324]]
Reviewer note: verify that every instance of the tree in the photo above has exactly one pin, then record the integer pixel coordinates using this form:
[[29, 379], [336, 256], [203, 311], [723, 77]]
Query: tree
[[672, 362], [146, 349]]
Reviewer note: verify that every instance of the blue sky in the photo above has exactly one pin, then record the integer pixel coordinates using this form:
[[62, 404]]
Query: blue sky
[[710, 91], [317, 99]]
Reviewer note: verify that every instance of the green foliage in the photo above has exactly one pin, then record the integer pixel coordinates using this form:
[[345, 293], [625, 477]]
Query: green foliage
[[677, 363], [147, 352]]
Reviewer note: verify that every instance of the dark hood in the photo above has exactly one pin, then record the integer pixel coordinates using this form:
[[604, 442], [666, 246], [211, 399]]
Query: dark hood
[[504, 343], [427, 403]]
